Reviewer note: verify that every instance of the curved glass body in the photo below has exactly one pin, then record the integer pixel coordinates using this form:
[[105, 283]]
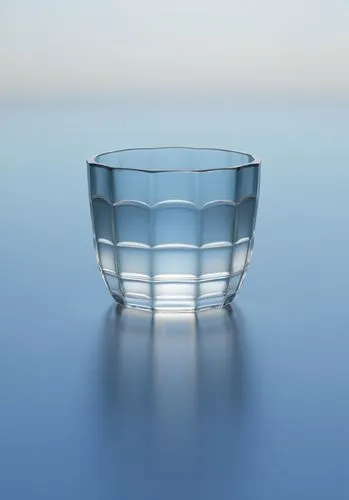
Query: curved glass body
[[173, 227]]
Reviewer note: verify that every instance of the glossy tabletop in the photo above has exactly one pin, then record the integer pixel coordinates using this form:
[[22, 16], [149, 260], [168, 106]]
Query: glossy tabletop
[[103, 403]]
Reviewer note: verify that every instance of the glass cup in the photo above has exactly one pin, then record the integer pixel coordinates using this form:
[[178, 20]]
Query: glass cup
[[173, 227]]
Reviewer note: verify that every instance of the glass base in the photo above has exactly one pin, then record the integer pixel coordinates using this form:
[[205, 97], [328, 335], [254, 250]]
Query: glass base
[[171, 305]]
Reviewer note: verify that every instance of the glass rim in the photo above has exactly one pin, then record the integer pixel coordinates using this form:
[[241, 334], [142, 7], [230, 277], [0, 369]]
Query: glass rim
[[251, 160]]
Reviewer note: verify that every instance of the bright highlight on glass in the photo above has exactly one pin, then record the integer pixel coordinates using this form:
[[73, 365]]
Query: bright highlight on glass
[[173, 227]]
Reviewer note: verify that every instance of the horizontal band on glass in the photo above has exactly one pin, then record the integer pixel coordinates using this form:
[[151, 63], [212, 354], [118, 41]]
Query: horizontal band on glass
[[171, 279], [176, 297], [173, 203], [173, 246]]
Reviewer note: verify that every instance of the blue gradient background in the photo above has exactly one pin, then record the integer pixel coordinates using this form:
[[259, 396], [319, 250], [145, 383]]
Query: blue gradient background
[[98, 404], [94, 406]]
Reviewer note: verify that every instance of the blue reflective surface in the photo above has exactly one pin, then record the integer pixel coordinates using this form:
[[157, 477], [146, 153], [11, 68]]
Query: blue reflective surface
[[104, 403]]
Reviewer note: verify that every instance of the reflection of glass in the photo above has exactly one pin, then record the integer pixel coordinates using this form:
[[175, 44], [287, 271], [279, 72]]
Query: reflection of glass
[[173, 367], [173, 227]]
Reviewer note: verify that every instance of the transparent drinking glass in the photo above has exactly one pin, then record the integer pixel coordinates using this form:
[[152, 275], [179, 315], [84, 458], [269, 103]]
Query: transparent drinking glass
[[173, 227]]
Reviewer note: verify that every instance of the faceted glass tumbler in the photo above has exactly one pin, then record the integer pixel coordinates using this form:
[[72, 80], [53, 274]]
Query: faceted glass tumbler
[[173, 227]]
